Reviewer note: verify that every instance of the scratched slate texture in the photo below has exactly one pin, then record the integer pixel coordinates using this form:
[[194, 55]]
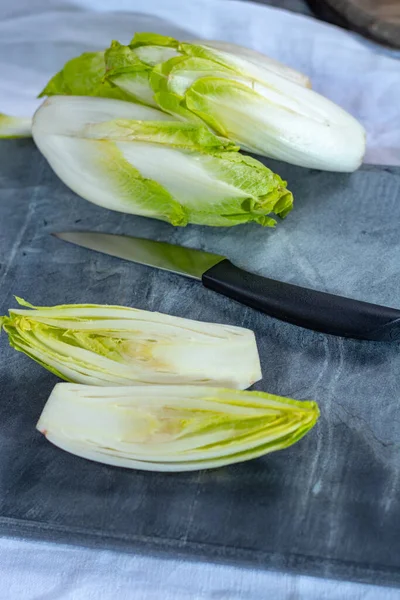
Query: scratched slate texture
[[327, 506]]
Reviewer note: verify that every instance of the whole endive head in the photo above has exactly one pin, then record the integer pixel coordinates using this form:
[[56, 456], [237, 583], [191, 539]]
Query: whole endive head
[[117, 345], [136, 159], [261, 106], [172, 428]]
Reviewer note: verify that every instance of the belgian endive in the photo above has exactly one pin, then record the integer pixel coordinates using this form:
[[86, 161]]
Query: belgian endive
[[116, 345], [136, 159], [172, 428], [258, 104]]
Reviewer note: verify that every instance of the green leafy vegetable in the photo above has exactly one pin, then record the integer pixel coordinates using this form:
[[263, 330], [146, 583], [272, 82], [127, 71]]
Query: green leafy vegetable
[[116, 345], [172, 428], [264, 107], [135, 159]]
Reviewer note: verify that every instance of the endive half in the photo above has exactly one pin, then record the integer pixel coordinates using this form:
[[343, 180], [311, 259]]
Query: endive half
[[136, 159], [116, 345], [172, 428], [259, 107]]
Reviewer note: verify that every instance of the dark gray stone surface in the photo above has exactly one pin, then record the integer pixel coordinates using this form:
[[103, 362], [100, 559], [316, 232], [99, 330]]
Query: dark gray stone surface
[[330, 504]]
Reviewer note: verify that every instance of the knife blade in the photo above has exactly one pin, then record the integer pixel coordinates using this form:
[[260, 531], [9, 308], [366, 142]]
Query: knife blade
[[304, 307]]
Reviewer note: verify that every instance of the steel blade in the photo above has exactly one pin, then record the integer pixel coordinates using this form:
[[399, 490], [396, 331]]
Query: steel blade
[[161, 255]]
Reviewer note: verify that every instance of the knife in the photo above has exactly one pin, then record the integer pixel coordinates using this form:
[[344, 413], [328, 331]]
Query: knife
[[319, 311]]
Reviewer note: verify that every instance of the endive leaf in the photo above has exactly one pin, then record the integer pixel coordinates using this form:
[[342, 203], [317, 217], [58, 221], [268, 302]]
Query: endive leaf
[[172, 134], [272, 126], [83, 76], [131, 74], [172, 428], [257, 58], [153, 39]]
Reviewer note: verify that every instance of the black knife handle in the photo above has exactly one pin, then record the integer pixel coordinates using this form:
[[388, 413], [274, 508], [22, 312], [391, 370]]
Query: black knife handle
[[315, 310]]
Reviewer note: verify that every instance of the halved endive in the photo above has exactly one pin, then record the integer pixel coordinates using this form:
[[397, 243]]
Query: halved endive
[[136, 159], [261, 106], [172, 428], [116, 345]]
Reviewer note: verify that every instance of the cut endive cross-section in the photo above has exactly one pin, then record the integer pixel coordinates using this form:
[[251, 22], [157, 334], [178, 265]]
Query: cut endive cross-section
[[136, 159], [117, 345], [260, 105], [172, 428]]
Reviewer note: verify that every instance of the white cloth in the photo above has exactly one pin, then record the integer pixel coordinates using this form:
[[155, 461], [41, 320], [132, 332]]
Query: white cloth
[[36, 38], [41, 571]]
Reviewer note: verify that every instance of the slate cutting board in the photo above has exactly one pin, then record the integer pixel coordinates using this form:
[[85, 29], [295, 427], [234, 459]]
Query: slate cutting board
[[327, 506]]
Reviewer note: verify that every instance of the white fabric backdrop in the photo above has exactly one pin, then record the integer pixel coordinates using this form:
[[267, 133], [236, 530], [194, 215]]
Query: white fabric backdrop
[[41, 571], [36, 38]]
